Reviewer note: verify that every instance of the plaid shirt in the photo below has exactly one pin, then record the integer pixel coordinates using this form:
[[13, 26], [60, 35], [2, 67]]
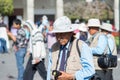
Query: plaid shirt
[[21, 40]]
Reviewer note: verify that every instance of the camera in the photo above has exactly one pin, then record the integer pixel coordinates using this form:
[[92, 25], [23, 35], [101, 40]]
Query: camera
[[56, 73]]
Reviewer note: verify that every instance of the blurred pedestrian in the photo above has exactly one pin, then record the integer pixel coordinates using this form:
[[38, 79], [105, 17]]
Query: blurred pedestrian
[[4, 40], [71, 58], [37, 53], [106, 28], [20, 46], [81, 32], [44, 27], [98, 45], [38, 23], [50, 38]]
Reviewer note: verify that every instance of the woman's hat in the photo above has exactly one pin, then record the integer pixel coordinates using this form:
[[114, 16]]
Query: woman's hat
[[106, 26], [83, 27]]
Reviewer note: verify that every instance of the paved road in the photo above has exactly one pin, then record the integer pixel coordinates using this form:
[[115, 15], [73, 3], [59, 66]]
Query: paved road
[[8, 70]]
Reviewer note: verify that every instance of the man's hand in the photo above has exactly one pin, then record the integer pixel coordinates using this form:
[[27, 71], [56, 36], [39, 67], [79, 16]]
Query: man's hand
[[28, 54], [65, 76], [37, 61], [15, 48]]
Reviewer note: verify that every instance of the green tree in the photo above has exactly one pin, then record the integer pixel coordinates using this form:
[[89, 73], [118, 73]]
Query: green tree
[[80, 9], [6, 7]]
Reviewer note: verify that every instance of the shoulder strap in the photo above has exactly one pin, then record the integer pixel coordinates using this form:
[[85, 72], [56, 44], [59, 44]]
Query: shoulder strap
[[108, 45], [77, 46]]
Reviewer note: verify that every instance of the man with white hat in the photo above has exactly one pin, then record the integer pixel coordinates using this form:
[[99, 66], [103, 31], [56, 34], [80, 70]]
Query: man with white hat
[[106, 28], [70, 59], [98, 44]]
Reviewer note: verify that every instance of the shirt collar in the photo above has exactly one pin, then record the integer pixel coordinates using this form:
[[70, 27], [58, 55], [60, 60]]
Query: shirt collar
[[66, 46], [95, 34]]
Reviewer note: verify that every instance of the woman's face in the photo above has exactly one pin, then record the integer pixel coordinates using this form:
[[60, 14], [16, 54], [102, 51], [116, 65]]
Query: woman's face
[[63, 38]]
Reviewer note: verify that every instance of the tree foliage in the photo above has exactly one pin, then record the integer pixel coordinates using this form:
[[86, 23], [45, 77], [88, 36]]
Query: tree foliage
[[6, 7], [82, 10]]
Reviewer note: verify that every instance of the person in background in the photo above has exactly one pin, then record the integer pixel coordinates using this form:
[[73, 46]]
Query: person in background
[[81, 32], [44, 27], [98, 44], [66, 58], [20, 46], [106, 28], [51, 39], [4, 40], [37, 52], [38, 23]]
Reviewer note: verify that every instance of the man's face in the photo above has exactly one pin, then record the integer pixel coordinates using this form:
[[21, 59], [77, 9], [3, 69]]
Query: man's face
[[17, 26], [93, 30], [63, 38]]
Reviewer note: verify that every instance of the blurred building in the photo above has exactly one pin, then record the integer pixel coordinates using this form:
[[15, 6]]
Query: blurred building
[[35, 9]]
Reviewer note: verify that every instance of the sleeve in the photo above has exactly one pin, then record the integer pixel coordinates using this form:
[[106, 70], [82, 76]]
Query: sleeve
[[29, 47], [111, 44], [102, 44], [87, 64], [49, 65]]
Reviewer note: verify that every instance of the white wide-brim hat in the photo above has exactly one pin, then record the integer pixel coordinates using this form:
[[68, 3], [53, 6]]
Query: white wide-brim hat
[[106, 26], [83, 27], [80, 27], [62, 25], [93, 23]]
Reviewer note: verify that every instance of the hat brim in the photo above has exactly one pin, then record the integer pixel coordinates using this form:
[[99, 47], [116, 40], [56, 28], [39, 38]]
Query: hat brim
[[71, 29], [107, 29], [62, 31], [93, 25]]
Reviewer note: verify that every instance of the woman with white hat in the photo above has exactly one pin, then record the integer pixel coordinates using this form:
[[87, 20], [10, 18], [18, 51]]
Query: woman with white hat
[[106, 28], [98, 45], [70, 59]]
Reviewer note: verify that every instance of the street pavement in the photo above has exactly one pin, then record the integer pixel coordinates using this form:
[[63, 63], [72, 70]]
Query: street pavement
[[8, 69]]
